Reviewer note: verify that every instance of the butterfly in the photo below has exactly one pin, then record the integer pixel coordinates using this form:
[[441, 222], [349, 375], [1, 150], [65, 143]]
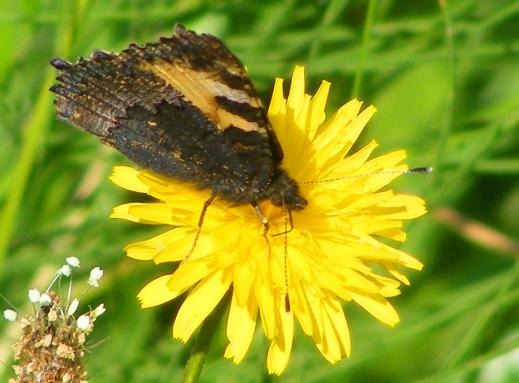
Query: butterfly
[[185, 108]]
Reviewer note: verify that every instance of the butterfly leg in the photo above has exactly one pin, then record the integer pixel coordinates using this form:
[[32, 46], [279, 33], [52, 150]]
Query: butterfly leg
[[290, 222], [199, 225], [264, 221]]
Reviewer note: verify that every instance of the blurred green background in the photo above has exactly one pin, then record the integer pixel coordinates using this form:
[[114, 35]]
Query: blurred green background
[[445, 79]]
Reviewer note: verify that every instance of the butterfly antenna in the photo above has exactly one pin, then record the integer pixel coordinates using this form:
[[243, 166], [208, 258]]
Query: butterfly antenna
[[287, 298], [417, 170]]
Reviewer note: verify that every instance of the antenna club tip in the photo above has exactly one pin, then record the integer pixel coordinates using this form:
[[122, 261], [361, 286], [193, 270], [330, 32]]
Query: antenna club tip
[[421, 169], [287, 303]]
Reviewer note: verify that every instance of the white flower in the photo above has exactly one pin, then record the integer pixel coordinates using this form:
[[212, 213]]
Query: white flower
[[99, 310], [83, 322], [45, 299], [34, 295], [95, 275], [73, 261], [10, 315], [65, 270], [73, 307]]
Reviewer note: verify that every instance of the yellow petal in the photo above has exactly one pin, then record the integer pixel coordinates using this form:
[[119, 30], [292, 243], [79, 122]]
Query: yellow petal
[[388, 286], [244, 278], [396, 273], [297, 139], [190, 272], [147, 250], [240, 328], [314, 312], [343, 142], [265, 298], [301, 308], [277, 103], [128, 178], [330, 346], [402, 258], [335, 129], [377, 306], [200, 303], [348, 166], [157, 292], [180, 247], [147, 213], [340, 326], [281, 346], [317, 109], [297, 88]]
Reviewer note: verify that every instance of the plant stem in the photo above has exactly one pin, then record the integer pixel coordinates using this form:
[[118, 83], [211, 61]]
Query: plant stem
[[364, 48], [203, 342]]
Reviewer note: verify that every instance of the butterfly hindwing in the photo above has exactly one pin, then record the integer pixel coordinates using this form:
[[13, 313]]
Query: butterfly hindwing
[[179, 141]]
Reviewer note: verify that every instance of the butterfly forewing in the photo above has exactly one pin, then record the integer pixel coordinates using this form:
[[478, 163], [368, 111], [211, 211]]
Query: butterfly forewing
[[183, 107]]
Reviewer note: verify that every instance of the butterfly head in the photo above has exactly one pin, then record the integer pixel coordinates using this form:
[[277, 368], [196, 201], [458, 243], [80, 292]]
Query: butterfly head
[[284, 191]]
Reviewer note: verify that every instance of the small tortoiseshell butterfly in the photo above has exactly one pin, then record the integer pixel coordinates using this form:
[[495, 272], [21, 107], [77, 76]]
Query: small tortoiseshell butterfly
[[185, 108]]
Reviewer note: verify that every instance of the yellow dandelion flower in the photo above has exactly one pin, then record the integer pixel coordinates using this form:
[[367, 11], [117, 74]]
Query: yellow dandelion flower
[[329, 254]]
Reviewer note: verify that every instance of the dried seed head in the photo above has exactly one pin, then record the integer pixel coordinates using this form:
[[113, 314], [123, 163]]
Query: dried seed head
[[49, 350], [52, 345]]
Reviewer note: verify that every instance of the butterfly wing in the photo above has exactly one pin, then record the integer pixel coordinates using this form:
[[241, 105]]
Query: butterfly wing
[[183, 107]]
